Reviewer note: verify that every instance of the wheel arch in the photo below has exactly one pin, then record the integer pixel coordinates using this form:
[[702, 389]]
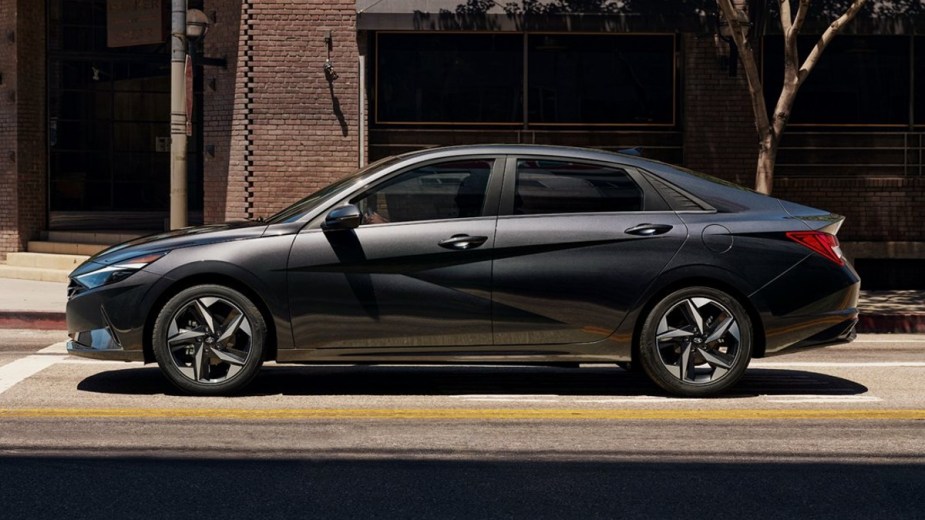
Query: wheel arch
[[210, 279], [702, 280]]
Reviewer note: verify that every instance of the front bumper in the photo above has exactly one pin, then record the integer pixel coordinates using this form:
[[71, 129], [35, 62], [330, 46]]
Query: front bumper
[[108, 322], [111, 352]]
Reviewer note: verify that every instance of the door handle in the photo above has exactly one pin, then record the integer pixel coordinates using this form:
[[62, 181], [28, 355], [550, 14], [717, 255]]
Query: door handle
[[647, 230], [462, 242]]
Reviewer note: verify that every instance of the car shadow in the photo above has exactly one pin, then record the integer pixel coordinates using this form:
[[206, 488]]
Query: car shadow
[[469, 380]]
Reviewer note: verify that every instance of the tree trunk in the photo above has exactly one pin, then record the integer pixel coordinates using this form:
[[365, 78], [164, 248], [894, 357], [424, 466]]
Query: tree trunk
[[771, 130], [767, 159]]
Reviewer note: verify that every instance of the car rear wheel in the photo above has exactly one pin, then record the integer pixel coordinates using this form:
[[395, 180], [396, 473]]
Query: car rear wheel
[[209, 339], [696, 342]]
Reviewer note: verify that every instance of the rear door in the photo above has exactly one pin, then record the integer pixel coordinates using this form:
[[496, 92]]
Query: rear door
[[577, 243]]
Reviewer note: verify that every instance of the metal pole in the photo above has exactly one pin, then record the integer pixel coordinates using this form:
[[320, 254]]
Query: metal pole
[[362, 122], [178, 204]]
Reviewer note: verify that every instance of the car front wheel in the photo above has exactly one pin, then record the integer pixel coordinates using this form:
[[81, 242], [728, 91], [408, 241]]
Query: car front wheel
[[696, 342], [209, 340]]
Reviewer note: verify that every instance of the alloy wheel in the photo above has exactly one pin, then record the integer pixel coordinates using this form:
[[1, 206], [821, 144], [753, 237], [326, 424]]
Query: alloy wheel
[[698, 340], [209, 340]]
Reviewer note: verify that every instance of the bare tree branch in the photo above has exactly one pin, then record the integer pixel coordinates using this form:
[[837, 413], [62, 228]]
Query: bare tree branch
[[750, 65], [800, 17], [786, 21], [827, 37]]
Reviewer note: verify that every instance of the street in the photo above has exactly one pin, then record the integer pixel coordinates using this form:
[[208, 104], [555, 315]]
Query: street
[[834, 432]]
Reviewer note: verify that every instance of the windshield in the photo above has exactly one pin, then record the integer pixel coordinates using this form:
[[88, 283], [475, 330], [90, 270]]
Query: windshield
[[299, 209]]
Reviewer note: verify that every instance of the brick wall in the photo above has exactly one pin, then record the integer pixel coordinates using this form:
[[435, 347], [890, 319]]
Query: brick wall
[[223, 177], [877, 209], [718, 125], [720, 139], [22, 116], [32, 151], [9, 234], [290, 131]]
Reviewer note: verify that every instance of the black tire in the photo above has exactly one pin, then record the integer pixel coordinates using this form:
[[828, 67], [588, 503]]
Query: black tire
[[209, 340], [691, 361]]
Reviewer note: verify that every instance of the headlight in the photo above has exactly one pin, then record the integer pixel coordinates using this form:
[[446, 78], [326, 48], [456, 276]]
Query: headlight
[[116, 273]]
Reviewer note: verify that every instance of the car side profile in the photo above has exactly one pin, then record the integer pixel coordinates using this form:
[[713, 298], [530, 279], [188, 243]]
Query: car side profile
[[480, 254]]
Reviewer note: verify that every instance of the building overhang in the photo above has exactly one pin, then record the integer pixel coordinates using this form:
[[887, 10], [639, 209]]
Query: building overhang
[[672, 16]]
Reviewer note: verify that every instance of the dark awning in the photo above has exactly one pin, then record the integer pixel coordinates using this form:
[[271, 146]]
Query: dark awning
[[432, 15], [879, 17]]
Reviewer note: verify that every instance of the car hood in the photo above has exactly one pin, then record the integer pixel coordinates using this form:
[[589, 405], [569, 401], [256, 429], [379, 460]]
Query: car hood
[[186, 237]]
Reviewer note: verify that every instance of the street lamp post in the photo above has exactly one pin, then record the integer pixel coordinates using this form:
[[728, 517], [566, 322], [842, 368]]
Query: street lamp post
[[178, 196], [187, 25]]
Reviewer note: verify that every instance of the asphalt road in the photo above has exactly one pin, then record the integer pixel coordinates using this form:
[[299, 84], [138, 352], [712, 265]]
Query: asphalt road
[[837, 432]]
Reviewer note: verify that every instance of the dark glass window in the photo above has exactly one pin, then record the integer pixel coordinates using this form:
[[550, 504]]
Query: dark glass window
[[433, 78], [436, 192], [860, 80], [604, 79], [108, 118], [920, 80], [569, 187]]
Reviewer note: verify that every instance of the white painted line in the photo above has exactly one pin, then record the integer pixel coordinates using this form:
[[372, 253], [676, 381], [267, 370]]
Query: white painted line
[[507, 400], [57, 348], [837, 364], [641, 399], [826, 399], [23, 368], [568, 399], [855, 342]]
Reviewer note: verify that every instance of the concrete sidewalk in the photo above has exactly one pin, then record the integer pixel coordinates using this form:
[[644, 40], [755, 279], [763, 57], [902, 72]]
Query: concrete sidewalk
[[40, 305]]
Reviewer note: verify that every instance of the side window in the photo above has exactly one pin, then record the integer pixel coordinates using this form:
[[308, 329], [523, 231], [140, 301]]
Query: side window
[[436, 192], [569, 187]]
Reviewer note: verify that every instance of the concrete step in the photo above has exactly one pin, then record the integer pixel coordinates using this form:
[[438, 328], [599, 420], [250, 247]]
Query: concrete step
[[45, 260], [65, 248], [94, 237], [33, 273]]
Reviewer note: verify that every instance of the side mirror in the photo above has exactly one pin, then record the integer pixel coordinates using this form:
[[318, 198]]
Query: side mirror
[[341, 218]]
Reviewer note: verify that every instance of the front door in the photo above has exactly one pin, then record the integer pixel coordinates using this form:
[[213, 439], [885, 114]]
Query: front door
[[414, 276]]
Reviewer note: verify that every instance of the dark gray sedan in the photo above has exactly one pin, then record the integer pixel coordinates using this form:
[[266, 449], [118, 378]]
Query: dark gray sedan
[[480, 254]]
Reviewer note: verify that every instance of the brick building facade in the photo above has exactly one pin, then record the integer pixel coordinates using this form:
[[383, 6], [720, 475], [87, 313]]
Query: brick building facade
[[274, 126]]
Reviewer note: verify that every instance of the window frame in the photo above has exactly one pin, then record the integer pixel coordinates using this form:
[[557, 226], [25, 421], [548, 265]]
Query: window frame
[[652, 201], [489, 206]]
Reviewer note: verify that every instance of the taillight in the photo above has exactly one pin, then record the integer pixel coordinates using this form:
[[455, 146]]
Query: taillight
[[822, 243]]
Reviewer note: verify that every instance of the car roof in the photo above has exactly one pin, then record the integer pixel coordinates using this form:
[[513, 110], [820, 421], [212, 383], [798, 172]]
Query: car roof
[[530, 149]]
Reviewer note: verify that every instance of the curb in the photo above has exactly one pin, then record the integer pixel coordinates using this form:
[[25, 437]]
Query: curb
[[888, 323], [35, 320]]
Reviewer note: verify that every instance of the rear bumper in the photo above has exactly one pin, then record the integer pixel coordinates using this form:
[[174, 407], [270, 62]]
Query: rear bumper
[[844, 332], [829, 320]]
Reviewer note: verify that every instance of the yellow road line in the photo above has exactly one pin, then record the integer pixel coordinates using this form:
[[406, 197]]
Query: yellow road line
[[497, 414]]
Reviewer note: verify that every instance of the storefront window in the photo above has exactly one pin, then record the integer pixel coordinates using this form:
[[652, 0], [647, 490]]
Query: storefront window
[[461, 78], [860, 81], [919, 71], [601, 79], [108, 127], [453, 78]]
